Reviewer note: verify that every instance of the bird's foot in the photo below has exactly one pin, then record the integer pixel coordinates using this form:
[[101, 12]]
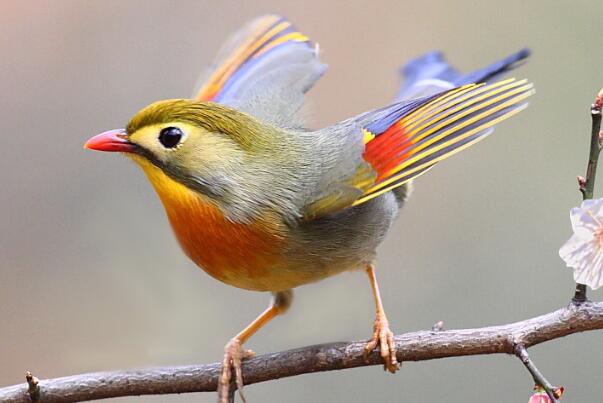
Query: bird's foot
[[233, 356], [384, 338]]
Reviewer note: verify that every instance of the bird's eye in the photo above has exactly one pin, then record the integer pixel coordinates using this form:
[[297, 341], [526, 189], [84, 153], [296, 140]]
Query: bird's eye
[[170, 137]]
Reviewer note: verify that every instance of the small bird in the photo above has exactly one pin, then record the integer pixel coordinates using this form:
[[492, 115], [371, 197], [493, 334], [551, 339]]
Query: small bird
[[262, 203]]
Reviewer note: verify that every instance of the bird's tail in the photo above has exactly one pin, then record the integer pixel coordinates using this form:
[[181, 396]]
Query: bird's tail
[[430, 73]]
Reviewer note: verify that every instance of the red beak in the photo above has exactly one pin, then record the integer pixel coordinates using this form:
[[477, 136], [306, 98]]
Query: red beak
[[112, 140]]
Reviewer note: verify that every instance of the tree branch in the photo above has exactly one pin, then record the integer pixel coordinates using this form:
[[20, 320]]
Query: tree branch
[[415, 346]]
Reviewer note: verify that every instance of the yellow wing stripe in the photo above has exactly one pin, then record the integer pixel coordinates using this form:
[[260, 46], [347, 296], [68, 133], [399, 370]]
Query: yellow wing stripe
[[465, 110], [293, 36], [428, 107], [419, 156], [368, 135], [219, 77], [382, 187], [410, 176], [250, 45], [249, 50], [212, 86], [458, 98], [469, 133]]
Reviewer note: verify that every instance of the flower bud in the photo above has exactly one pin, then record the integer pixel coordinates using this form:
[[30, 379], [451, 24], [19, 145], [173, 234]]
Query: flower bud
[[540, 396]]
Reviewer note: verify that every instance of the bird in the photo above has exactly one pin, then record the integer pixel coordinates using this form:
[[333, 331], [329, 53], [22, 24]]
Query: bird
[[261, 202]]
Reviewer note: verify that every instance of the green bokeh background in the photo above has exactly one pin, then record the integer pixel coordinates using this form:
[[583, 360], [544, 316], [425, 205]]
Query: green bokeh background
[[92, 279]]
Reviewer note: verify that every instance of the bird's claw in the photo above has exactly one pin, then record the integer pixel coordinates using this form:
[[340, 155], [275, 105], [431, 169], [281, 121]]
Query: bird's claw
[[384, 338], [233, 356]]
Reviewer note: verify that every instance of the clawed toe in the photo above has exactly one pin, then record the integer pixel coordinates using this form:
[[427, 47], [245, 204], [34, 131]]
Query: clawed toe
[[233, 356], [384, 338]]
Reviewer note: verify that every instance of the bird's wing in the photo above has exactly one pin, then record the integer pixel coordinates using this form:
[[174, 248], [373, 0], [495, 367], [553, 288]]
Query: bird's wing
[[264, 69], [404, 140]]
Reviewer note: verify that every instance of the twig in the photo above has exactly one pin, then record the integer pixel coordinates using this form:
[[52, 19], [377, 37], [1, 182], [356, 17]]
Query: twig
[[438, 326], [522, 353], [33, 387], [415, 346], [587, 184]]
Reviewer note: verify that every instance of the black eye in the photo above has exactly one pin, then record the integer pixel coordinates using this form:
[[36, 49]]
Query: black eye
[[170, 136]]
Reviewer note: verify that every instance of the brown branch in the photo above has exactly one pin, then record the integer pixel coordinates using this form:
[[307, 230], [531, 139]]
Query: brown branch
[[415, 346]]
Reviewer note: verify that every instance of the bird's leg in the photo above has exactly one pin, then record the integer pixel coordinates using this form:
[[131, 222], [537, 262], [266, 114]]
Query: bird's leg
[[234, 353], [382, 335]]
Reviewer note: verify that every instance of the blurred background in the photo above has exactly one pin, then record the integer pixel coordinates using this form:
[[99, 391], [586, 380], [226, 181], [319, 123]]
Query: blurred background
[[92, 279]]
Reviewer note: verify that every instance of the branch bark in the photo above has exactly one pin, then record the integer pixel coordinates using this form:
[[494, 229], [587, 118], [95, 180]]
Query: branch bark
[[586, 185], [415, 346]]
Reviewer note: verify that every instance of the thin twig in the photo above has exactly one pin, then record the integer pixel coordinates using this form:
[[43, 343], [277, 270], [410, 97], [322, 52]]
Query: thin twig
[[587, 184], [415, 346], [522, 353], [438, 326], [33, 387]]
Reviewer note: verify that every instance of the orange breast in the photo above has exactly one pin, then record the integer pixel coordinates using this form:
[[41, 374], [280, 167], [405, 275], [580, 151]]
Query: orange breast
[[242, 255]]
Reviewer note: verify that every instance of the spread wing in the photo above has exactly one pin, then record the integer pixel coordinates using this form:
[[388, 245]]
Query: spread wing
[[404, 140], [264, 69]]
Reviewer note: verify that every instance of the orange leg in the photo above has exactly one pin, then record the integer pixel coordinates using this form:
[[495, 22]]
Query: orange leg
[[233, 351], [382, 335]]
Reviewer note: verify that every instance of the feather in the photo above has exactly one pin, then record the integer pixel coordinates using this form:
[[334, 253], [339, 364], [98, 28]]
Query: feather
[[265, 70], [267, 60], [431, 73], [439, 128], [243, 47], [404, 140]]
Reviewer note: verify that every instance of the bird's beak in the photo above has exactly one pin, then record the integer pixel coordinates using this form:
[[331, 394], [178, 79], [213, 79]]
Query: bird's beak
[[112, 140]]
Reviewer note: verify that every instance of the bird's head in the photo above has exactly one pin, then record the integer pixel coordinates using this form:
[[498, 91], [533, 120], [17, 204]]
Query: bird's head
[[214, 150], [189, 141]]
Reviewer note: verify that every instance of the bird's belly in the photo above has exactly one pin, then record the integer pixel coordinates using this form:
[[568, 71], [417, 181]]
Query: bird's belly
[[250, 256], [242, 255], [265, 255]]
